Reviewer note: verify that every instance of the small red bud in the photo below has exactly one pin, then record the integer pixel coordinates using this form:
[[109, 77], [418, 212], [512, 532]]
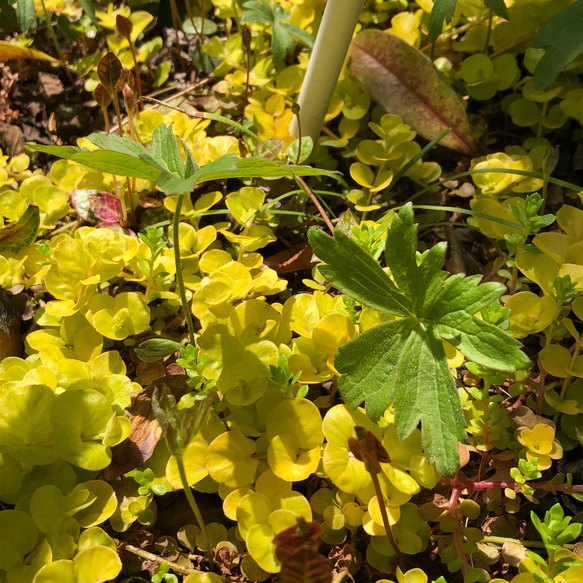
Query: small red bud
[[246, 37], [124, 26]]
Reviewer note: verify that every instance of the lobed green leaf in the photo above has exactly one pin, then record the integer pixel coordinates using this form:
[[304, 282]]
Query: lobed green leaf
[[352, 270]]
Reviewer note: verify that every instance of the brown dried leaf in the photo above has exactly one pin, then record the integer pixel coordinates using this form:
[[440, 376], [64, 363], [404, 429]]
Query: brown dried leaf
[[145, 432], [296, 258], [21, 233], [405, 82]]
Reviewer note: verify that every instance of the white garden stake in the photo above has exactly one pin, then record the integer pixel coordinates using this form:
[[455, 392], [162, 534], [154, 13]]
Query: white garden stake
[[336, 30]]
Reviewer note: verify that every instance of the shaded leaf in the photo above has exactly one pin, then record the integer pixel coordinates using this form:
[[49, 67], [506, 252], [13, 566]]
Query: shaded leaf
[[88, 7], [102, 96], [9, 52], [25, 12], [561, 36], [22, 233], [405, 82], [441, 12], [498, 7]]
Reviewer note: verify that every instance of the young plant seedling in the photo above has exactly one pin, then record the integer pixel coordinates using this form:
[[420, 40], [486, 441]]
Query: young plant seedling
[[403, 361]]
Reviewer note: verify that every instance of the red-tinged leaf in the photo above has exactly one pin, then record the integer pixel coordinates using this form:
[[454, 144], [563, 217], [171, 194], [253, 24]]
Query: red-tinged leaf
[[9, 52], [405, 82], [102, 96], [124, 26], [22, 233], [289, 541], [109, 70], [108, 208], [92, 205], [306, 566]]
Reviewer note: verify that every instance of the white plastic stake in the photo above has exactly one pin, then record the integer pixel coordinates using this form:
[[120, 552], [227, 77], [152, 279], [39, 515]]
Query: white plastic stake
[[330, 49]]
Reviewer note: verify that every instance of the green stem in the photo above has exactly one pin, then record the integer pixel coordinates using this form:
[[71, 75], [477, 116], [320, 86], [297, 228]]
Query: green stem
[[56, 41], [178, 262], [136, 76], [194, 507], [487, 43], [387, 525]]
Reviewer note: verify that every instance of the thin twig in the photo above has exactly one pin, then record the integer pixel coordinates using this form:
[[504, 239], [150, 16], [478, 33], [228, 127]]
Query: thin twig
[[316, 202], [160, 560]]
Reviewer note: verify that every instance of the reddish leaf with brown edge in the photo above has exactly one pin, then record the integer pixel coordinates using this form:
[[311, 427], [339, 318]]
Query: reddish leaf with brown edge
[[124, 26], [102, 96], [367, 448], [109, 70], [291, 539], [21, 233], [306, 566], [405, 82]]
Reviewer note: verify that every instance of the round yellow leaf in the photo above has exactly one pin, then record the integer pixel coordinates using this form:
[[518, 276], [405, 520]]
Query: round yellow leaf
[[261, 548], [288, 461], [333, 331], [555, 359], [194, 459], [229, 461]]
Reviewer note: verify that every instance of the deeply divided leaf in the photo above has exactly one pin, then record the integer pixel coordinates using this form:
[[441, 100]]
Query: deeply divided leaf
[[403, 362], [441, 12], [562, 37], [357, 274]]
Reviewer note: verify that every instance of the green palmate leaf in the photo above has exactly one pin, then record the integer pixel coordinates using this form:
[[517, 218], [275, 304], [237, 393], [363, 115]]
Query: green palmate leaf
[[403, 361], [299, 34], [117, 143], [421, 282], [21, 233], [498, 7], [441, 12], [561, 36], [357, 274], [268, 169], [425, 391], [370, 363], [479, 341], [65, 152], [172, 184]]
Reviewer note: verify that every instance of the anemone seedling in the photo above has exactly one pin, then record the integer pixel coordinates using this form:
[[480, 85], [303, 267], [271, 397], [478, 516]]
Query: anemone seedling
[[178, 428], [403, 361], [164, 164]]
